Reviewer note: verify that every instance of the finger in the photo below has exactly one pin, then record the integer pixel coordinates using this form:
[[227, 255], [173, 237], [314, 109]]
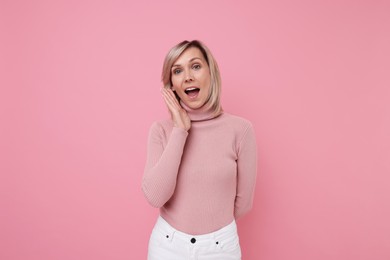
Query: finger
[[167, 96], [173, 95], [171, 98], [172, 106], [170, 93]]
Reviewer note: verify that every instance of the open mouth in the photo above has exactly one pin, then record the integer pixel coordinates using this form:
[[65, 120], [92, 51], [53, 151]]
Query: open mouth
[[192, 92]]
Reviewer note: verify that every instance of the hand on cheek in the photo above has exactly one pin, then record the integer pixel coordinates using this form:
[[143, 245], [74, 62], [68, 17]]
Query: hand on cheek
[[179, 116]]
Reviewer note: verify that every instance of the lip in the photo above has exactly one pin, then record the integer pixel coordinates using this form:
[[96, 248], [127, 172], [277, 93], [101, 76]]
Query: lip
[[191, 87], [192, 95]]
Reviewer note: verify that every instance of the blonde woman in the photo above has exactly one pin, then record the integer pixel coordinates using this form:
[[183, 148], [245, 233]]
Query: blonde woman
[[201, 163]]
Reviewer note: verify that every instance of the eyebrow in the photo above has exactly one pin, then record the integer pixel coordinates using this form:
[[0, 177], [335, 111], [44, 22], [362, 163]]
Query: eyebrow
[[178, 65]]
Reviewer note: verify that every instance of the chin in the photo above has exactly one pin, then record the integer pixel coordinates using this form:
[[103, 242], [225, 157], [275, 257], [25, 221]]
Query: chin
[[193, 105]]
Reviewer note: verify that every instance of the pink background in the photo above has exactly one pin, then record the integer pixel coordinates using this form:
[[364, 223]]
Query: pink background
[[80, 87]]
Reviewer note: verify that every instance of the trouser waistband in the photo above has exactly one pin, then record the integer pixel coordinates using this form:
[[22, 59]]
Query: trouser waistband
[[162, 226]]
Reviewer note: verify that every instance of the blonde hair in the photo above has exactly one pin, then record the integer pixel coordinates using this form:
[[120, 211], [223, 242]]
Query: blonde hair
[[213, 100]]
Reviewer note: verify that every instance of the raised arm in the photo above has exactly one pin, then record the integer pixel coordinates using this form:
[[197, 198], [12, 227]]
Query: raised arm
[[164, 153]]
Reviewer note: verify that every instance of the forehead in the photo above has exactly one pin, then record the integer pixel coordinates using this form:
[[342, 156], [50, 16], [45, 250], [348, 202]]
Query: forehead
[[188, 55]]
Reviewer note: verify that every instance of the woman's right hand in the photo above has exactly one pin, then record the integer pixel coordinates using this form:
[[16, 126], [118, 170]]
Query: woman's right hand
[[179, 116]]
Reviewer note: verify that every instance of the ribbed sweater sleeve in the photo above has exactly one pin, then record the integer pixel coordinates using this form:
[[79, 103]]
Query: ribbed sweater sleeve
[[162, 163], [246, 173]]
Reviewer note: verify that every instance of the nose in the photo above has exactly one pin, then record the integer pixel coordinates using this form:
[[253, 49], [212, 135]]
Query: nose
[[188, 76]]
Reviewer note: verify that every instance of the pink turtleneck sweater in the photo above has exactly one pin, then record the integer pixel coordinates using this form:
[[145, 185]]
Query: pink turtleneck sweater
[[202, 179]]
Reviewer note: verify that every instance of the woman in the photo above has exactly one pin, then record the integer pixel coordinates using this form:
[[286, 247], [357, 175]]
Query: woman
[[201, 163]]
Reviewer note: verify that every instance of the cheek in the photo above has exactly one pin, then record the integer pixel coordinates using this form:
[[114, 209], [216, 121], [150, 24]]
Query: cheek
[[205, 77], [206, 81], [179, 94], [175, 81]]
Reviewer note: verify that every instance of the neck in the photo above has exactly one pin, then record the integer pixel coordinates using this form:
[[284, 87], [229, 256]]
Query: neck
[[200, 114]]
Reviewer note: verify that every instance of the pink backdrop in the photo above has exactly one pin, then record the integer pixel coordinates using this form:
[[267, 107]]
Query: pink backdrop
[[80, 87]]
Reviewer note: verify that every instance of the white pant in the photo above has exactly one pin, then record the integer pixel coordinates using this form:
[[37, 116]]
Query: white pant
[[167, 243]]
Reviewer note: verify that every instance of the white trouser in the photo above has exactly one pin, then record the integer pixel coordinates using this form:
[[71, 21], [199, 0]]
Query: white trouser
[[167, 243]]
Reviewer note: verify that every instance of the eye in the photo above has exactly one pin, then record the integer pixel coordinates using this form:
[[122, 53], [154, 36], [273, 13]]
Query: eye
[[196, 66], [176, 71]]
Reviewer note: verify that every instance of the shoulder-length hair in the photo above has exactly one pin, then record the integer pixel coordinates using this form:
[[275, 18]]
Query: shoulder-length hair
[[213, 101]]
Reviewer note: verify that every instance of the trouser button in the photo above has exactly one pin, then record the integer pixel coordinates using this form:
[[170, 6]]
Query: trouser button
[[193, 240]]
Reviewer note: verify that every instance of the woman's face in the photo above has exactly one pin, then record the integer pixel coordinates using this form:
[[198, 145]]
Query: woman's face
[[190, 77]]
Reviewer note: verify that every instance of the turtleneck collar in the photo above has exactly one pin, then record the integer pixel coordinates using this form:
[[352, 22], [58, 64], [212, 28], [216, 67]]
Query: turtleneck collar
[[201, 114]]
